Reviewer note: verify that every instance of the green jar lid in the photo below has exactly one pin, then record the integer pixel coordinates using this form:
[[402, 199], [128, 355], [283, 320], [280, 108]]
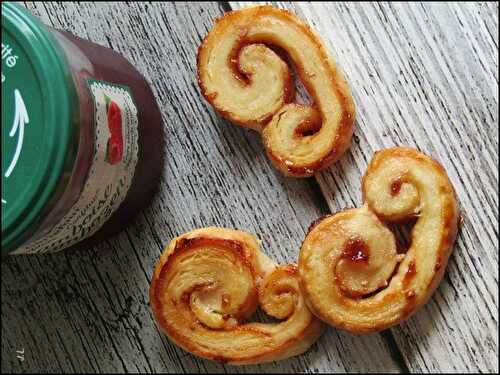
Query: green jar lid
[[40, 130]]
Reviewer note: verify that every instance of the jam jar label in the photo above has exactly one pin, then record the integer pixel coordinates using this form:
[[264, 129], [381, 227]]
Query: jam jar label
[[110, 176]]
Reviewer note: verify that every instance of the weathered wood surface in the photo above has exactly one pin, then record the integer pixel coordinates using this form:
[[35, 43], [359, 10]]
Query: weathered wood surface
[[426, 75], [422, 75]]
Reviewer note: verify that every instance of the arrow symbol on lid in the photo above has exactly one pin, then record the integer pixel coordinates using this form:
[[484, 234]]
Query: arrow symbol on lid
[[20, 120]]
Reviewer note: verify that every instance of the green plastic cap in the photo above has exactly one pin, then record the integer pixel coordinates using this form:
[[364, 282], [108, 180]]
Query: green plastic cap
[[40, 131]]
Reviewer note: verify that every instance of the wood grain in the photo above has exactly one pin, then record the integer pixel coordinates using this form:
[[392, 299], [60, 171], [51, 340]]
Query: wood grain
[[424, 75], [88, 310]]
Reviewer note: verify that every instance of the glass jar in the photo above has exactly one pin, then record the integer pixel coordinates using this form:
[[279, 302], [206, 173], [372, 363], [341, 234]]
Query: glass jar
[[82, 138]]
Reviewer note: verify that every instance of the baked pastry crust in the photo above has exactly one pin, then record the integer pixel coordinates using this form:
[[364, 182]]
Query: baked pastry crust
[[243, 76], [208, 281], [351, 274]]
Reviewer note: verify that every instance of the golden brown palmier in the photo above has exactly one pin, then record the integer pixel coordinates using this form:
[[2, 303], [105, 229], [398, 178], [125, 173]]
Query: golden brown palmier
[[208, 281], [351, 274], [245, 78]]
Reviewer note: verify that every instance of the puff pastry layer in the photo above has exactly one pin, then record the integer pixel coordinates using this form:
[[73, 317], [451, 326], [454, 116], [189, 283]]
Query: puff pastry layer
[[209, 281], [351, 274], [243, 73]]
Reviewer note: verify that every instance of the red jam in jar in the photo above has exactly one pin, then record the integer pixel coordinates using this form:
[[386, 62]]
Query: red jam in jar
[[81, 138]]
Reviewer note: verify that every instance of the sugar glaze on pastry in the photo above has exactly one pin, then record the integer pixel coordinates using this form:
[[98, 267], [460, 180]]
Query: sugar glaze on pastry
[[351, 274], [209, 281], [246, 79]]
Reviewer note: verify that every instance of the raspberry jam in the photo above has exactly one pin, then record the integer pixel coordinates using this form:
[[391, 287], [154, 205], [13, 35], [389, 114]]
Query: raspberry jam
[[81, 138]]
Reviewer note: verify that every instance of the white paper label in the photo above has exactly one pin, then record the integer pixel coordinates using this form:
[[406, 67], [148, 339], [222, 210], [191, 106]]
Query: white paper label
[[115, 157]]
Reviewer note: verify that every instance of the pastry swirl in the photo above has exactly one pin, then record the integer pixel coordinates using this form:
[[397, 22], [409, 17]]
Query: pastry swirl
[[351, 274], [208, 281], [247, 82]]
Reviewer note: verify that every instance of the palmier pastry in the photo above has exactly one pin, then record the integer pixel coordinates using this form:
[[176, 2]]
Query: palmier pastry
[[246, 79], [209, 281], [351, 273]]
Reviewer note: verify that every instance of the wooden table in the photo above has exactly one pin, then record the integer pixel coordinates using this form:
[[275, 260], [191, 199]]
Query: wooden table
[[423, 75]]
